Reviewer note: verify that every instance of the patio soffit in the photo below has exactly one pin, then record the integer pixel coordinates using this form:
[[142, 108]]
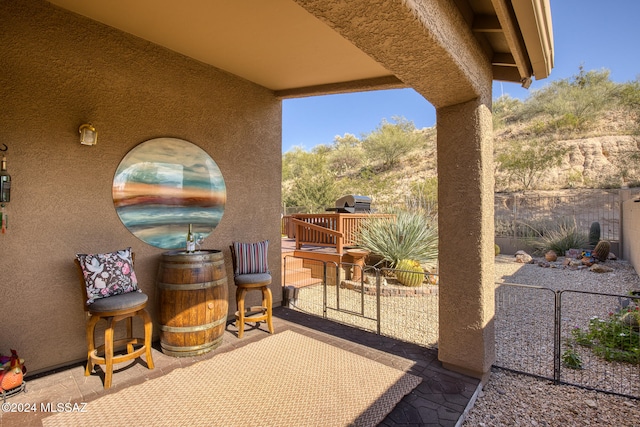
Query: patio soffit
[[281, 46]]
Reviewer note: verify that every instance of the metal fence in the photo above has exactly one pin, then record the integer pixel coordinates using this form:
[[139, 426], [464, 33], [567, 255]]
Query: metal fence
[[364, 297], [525, 215], [561, 336], [539, 331]]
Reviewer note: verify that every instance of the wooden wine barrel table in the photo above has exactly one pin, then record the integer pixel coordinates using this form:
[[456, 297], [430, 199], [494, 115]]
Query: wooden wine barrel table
[[193, 302]]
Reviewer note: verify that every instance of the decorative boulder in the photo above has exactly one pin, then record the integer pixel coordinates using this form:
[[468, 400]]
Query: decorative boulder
[[551, 256], [523, 257], [587, 261], [599, 268]]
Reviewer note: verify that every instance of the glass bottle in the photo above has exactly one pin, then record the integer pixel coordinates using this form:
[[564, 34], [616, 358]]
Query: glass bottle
[[5, 182], [191, 241]]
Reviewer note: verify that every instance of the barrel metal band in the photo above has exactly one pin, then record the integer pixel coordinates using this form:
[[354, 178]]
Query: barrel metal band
[[191, 286], [180, 349], [192, 266], [197, 328]]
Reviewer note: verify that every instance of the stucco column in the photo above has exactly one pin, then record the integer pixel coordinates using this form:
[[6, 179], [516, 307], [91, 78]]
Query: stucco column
[[466, 233]]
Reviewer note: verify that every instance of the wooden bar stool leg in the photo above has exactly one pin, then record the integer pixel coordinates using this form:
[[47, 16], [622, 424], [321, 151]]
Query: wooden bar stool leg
[[148, 332], [108, 352], [130, 334], [240, 294], [267, 301], [91, 344]]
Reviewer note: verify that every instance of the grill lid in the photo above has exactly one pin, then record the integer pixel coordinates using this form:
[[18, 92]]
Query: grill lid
[[353, 203]]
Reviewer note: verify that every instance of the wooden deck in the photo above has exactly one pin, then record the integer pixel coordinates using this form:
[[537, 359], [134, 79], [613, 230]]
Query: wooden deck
[[330, 230]]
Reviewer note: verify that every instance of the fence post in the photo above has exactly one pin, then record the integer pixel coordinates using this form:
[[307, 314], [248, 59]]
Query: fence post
[[378, 288], [623, 196], [557, 341], [515, 216], [324, 290]]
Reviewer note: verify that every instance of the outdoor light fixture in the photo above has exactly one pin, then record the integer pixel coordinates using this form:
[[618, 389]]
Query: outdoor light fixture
[[88, 134]]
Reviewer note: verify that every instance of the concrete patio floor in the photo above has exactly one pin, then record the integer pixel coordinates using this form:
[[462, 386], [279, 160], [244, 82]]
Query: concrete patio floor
[[439, 400]]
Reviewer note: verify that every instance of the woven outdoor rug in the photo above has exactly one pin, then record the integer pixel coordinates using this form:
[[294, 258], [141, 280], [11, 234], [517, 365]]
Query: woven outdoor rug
[[286, 379]]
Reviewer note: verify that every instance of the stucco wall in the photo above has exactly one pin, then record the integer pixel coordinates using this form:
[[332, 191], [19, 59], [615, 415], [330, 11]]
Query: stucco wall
[[631, 228], [59, 70]]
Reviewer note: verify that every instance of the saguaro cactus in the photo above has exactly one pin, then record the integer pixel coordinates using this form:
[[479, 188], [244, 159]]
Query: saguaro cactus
[[594, 233]]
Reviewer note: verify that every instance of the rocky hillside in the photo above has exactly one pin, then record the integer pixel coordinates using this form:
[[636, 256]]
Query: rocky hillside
[[577, 133]]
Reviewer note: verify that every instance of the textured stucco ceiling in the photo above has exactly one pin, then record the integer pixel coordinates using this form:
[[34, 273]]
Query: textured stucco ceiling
[[280, 45], [274, 43]]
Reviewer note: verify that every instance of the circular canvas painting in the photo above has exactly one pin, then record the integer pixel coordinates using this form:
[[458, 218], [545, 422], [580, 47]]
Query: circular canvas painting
[[163, 185]]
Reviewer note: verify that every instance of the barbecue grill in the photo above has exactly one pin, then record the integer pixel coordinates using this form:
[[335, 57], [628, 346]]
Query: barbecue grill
[[352, 203]]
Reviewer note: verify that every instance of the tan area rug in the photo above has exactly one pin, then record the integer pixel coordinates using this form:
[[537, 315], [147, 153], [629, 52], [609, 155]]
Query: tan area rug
[[283, 380]]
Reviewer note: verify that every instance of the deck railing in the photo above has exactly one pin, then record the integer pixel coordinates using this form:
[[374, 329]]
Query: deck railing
[[326, 229]]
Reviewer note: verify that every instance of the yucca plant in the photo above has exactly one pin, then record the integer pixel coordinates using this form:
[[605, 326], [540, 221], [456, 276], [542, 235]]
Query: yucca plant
[[408, 235]]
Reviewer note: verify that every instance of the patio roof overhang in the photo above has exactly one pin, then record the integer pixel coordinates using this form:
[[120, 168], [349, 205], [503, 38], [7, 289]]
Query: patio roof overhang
[[290, 48]]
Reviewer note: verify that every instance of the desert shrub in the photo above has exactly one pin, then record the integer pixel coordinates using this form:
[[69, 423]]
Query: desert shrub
[[561, 238], [613, 338], [424, 196], [407, 235]]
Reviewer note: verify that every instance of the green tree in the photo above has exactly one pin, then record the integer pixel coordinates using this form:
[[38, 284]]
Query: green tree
[[630, 94], [306, 179], [391, 141], [573, 102], [298, 161], [346, 154], [505, 110], [316, 192], [630, 99], [525, 164]]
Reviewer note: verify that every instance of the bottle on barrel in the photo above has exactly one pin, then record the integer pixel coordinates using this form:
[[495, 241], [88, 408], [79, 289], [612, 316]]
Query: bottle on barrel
[[191, 241]]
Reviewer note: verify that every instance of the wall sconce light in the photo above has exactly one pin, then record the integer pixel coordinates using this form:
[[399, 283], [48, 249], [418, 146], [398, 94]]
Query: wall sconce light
[[88, 134]]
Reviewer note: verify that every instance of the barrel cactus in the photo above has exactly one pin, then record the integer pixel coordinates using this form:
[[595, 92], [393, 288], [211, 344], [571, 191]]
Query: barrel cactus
[[602, 250], [409, 272], [594, 233]]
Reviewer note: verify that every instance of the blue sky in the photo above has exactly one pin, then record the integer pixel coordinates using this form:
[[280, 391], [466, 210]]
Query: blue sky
[[592, 33]]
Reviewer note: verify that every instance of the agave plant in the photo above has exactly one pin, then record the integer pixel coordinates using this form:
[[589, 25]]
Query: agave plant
[[408, 235]]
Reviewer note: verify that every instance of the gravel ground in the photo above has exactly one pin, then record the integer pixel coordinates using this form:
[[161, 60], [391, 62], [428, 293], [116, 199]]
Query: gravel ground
[[509, 399], [518, 400]]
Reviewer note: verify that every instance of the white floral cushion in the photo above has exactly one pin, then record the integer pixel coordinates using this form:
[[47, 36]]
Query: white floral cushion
[[108, 274], [251, 258]]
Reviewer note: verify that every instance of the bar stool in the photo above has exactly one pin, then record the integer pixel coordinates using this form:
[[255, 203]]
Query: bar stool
[[113, 308], [251, 273]]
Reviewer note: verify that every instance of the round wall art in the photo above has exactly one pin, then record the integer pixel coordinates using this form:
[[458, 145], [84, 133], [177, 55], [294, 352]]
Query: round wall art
[[163, 185]]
